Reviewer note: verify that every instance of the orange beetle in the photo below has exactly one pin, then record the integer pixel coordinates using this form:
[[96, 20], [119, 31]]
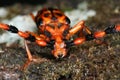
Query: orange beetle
[[56, 33]]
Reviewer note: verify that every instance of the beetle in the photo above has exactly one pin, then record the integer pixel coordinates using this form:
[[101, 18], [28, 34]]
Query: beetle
[[56, 33]]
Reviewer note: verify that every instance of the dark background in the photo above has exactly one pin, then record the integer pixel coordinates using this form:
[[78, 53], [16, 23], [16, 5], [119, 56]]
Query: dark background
[[48, 3], [10, 2]]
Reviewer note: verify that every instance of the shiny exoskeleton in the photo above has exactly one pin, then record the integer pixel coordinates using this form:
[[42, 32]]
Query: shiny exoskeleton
[[56, 33]]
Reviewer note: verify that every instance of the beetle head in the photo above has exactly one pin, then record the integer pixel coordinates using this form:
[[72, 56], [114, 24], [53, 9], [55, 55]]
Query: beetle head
[[59, 50]]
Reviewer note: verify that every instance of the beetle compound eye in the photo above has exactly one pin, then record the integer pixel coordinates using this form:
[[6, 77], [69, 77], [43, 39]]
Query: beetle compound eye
[[67, 20], [39, 22]]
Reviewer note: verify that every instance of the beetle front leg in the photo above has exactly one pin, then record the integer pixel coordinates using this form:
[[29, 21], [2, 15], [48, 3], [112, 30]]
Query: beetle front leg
[[39, 39], [26, 35], [13, 29]]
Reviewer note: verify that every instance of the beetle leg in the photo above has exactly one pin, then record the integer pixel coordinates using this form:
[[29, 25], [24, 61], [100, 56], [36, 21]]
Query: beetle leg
[[109, 30], [75, 29], [99, 34], [87, 30], [13, 29], [33, 17], [78, 27], [30, 58], [96, 35], [80, 40], [26, 35]]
